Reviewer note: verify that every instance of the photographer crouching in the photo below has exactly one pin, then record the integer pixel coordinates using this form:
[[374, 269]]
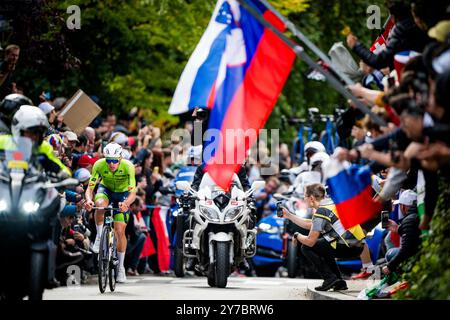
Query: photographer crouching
[[335, 243]]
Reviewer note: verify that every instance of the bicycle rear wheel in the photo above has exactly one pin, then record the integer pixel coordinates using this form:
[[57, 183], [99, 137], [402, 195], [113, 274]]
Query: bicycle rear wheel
[[113, 265], [103, 259]]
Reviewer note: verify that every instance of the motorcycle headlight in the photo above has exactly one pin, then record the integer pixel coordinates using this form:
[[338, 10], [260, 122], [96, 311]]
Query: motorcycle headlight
[[30, 207], [3, 205], [232, 213], [265, 227], [209, 213]]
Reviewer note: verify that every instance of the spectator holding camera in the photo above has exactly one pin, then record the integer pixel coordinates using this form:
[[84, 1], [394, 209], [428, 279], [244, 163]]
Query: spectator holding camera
[[336, 242]]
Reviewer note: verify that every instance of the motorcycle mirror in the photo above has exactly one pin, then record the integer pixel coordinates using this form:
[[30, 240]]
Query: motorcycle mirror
[[183, 185]]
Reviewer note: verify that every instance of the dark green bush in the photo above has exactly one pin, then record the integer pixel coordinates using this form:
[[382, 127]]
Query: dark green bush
[[428, 273]]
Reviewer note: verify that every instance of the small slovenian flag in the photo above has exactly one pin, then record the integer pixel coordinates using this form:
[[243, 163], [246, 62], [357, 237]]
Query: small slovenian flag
[[380, 43], [401, 59], [350, 187]]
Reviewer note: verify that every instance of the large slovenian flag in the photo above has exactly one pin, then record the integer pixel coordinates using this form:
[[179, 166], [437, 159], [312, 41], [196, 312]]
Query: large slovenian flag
[[238, 71], [350, 187]]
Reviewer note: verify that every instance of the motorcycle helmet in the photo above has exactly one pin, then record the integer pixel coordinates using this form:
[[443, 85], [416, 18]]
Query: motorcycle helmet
[[317, 159], [312, 147], [195, 154], [10, 104], [30, 118], [113, 150]]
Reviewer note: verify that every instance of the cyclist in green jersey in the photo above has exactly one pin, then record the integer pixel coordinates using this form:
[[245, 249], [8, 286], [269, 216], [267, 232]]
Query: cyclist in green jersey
[[117, 186]]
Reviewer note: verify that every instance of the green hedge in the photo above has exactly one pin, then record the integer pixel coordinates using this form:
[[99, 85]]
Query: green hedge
[[428, 273]]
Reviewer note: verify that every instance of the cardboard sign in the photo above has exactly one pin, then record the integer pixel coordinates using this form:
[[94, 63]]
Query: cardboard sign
[[79, 112]]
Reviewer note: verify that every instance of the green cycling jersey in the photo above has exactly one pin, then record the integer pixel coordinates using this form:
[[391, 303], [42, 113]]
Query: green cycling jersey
[[121, 180]]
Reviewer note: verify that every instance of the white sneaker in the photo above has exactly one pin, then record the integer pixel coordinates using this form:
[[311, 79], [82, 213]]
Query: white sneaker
[[96, 246], [121, 276]]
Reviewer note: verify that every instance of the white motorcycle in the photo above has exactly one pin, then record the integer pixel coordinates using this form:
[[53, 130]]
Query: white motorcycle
[[218, 235]]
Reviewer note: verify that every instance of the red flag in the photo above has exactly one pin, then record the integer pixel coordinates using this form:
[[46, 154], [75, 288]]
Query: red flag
[[162, 239], [149, 248]]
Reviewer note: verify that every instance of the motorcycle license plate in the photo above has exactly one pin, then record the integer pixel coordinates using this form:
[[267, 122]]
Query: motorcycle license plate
[[17, 164]]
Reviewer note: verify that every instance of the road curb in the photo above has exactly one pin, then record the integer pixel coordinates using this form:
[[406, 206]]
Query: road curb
[[329, 295], [315, 295]]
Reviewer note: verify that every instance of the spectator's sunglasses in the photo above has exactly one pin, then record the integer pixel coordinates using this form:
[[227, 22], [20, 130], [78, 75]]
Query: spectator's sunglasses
[[113, 161]]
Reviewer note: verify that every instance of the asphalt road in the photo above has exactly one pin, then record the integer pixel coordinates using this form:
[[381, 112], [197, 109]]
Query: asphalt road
[[151, 287]]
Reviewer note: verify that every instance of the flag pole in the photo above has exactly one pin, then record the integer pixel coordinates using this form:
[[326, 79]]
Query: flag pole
[[300, 52], [297, 33]]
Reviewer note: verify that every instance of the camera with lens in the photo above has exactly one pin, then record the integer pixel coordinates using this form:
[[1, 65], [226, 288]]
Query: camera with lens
[[280, 208]]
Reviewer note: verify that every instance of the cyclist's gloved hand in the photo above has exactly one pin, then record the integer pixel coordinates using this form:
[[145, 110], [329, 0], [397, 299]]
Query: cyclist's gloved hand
[[123, 207]]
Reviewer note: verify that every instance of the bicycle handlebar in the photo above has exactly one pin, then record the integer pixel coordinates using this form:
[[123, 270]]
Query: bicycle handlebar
[[106, 208]]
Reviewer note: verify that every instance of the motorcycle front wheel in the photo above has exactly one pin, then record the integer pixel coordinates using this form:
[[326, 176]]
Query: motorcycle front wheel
[[222, 265], [37, 275]]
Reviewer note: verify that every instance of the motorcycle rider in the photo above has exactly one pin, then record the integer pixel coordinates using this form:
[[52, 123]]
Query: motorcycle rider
[[32, 123], [311, 148], [243, 179]]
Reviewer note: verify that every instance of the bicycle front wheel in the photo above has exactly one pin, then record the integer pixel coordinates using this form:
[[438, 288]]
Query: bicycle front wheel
[[103, 259], [113, 264]]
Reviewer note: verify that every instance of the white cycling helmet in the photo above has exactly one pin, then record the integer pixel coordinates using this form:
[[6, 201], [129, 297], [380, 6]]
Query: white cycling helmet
[[113, 150], [29, 118]]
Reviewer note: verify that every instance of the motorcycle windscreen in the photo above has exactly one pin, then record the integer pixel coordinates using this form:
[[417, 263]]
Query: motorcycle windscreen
[[207, 181]]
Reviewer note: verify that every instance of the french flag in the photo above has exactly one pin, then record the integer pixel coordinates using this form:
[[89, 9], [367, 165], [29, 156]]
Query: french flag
[[238, 71], [350, 187]]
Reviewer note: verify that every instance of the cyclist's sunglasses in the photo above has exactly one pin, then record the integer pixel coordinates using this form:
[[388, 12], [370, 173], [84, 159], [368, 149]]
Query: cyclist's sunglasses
[[113, 161]]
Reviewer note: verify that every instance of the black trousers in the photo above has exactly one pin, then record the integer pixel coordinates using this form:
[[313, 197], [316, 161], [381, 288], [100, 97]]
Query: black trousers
[[322, 255]]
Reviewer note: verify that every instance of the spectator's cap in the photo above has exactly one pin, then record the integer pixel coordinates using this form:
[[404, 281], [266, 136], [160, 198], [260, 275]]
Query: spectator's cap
[[131, 141], [407, 198], [441, 31], [82, 175], [442, 62], [71, 136], [85, 161], [69, 211], [46, 107], [119, 138]]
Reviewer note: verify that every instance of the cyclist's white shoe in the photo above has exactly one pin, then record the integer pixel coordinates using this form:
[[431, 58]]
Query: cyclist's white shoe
[[121, 276], [96, 246]]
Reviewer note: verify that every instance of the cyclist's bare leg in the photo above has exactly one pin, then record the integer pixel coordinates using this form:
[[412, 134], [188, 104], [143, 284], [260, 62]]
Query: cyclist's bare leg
[[99, 220], [119, 231], [100, 214]]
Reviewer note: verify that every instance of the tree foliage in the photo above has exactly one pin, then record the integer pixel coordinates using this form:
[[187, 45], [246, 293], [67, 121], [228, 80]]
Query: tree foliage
[[131, 52]]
